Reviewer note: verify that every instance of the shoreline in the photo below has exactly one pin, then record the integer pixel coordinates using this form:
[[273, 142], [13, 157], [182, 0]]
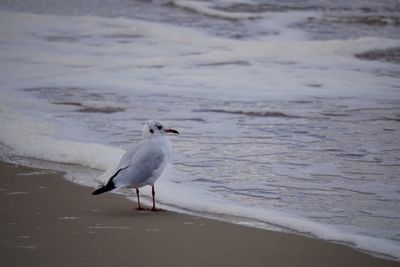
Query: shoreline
[[48, 220]]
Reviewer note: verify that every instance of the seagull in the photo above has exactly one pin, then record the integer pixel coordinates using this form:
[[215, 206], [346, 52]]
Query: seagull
[[144, 163]]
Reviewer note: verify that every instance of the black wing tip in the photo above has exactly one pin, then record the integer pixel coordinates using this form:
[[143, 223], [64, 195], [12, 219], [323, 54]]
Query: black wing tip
[[104, 188], [98, 191]]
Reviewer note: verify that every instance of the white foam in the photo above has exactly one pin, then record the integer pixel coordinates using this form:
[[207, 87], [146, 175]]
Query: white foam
[[173, 55], [206, 8], [278, 26], [35, 138], [187, 198], [270, 25]]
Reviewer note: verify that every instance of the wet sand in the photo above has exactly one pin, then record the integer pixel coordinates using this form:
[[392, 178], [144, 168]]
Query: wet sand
[[48, 221]]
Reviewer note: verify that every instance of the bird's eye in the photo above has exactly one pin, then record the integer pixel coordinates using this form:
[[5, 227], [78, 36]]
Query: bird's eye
[[159, 127], [151, 131]]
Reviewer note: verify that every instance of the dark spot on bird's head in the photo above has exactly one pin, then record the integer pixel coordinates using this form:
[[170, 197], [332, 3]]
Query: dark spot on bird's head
[[151, 131]]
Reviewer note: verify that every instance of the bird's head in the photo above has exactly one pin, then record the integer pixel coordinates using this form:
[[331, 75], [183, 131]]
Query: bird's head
[[153, 128]]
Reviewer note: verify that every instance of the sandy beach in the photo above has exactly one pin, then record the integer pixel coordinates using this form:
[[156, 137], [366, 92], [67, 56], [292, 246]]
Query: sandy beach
[[49, 221]]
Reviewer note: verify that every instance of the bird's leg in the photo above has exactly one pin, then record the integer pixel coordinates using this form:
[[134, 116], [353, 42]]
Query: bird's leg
[[138, 200], [153, 193]]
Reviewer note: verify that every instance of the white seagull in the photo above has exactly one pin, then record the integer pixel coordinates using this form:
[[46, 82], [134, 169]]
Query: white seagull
[[144, 163]]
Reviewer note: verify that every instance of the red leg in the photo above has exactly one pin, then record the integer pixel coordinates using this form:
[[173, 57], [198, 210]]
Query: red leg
[[153, 193], [138, 200]]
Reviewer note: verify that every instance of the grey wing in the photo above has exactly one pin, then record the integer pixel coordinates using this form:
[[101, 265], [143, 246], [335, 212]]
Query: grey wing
[[125, 160], [127, 157], [145, 165]]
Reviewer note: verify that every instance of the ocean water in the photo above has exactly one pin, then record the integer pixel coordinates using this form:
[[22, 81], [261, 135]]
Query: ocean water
[[289, 112]]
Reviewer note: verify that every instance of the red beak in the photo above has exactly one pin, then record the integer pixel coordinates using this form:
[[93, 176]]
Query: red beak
[[170, 130]]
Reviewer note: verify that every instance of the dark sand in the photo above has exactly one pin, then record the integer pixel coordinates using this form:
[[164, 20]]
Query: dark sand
[[48, 221]]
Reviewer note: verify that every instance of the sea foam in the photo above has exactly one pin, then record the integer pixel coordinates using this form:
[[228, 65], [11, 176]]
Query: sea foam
[[32, 137]]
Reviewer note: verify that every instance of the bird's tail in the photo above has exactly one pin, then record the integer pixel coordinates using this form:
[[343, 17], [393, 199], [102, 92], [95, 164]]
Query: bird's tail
[[104, 188]]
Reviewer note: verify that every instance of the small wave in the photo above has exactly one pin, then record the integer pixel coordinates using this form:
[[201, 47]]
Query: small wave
[[206, 9], [86, 109], [386, 119], [28, 136], [367, 20], [205, 180], [331, 114], [390, 55], [217, 64], [381, 214], [185, 119], [277, 114], [255, 8], [65, 39], [101, 110], [122, 36], [86, 102]]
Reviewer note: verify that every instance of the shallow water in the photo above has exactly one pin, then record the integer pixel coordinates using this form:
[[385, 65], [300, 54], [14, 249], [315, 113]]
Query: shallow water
[[285, 120]]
